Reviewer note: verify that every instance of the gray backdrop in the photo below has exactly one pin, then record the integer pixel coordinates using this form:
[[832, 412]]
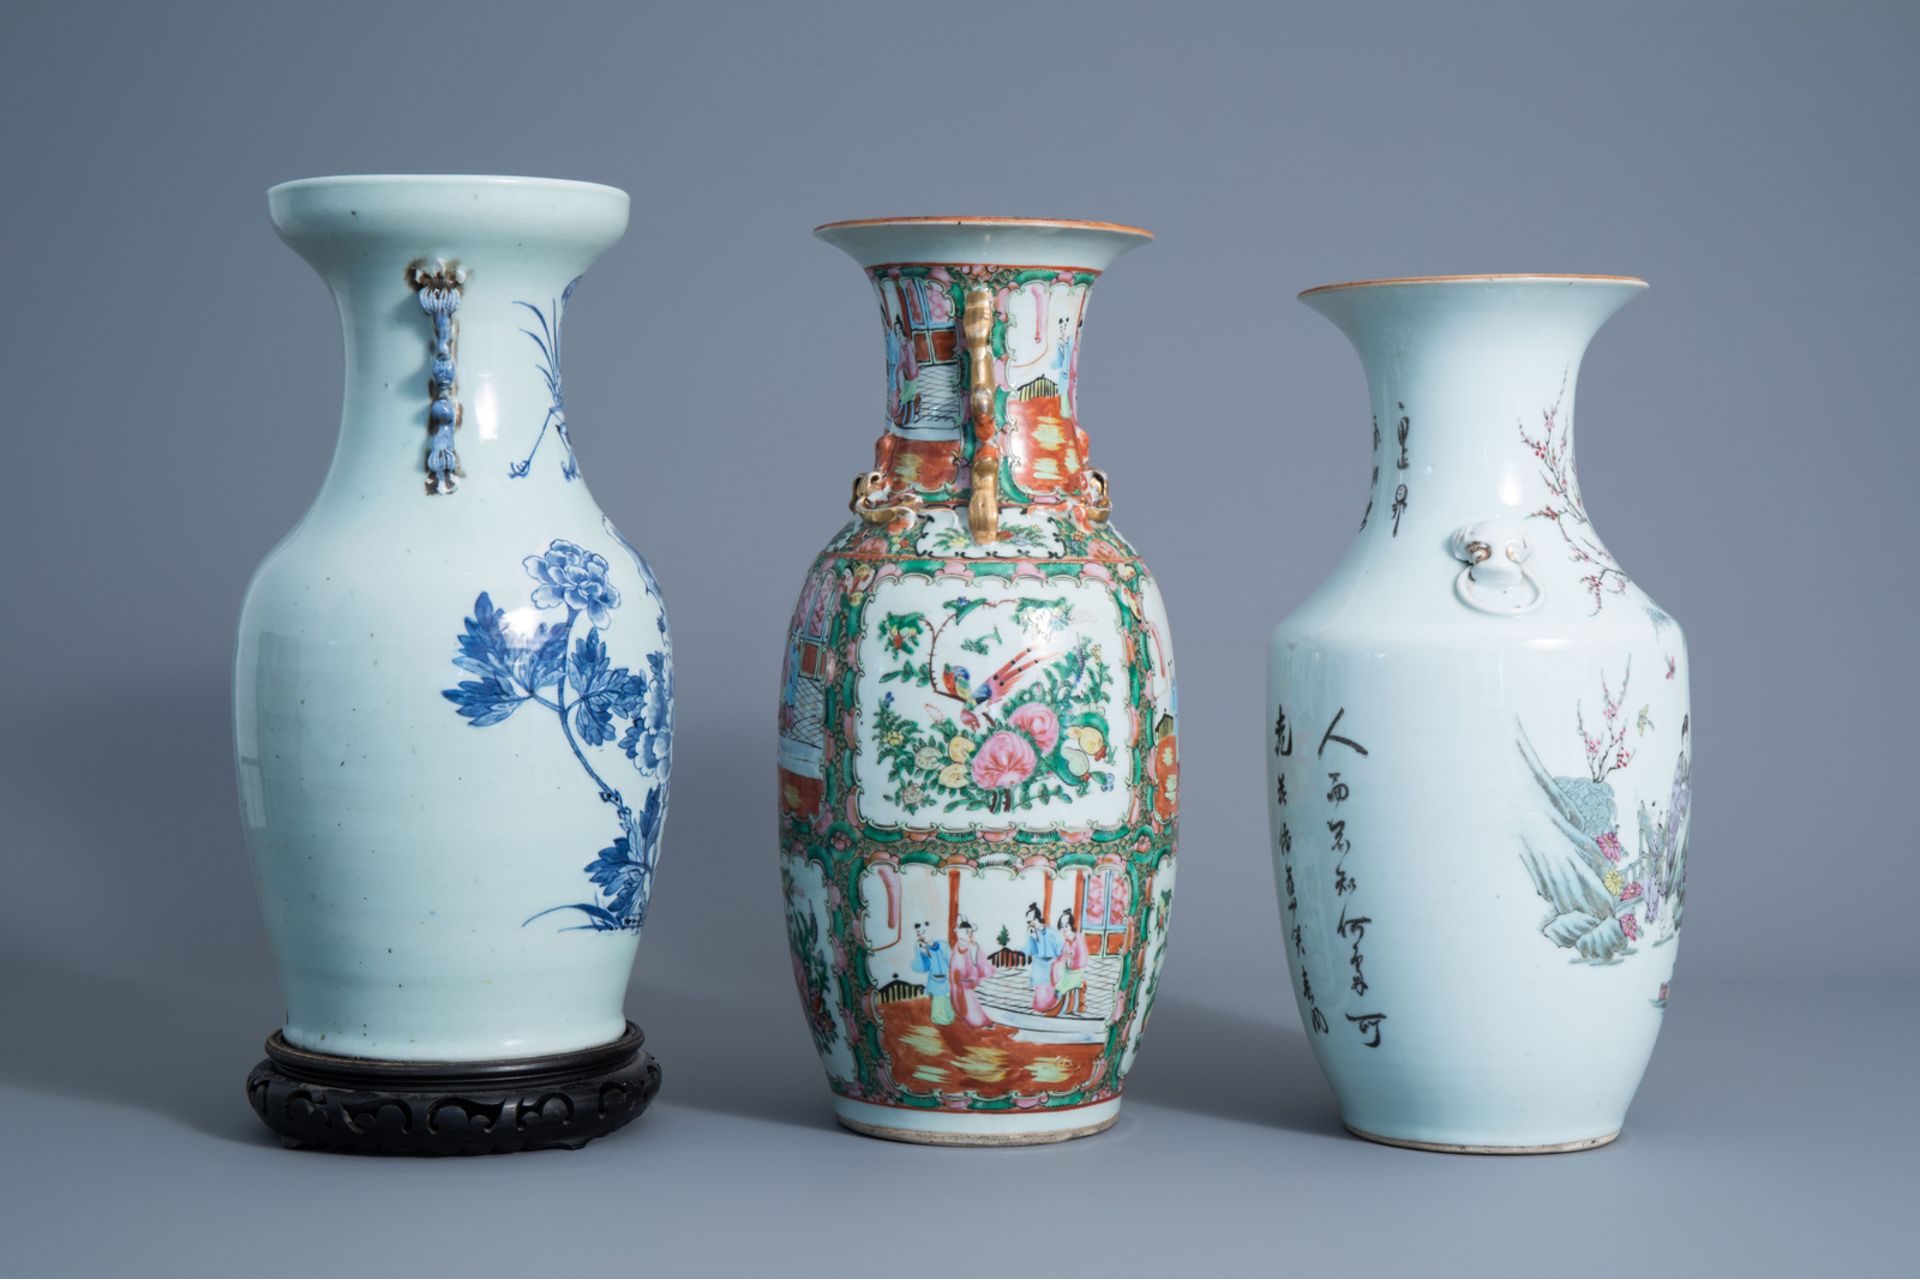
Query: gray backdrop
[[1747, 444]]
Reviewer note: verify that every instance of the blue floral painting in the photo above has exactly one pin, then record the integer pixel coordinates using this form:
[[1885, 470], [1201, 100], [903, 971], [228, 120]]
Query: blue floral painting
[[563, 667], [548, 340]]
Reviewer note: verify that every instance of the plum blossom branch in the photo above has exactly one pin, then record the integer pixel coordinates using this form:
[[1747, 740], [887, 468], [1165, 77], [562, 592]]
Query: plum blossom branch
[[1565, 508], [1607, 749]]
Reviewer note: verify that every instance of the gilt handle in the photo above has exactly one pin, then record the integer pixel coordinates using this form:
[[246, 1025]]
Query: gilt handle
[[983, 508]]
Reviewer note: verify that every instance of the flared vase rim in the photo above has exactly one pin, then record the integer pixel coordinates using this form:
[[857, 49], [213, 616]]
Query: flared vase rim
[[1065, 224], [1543, 277], [443, 180]]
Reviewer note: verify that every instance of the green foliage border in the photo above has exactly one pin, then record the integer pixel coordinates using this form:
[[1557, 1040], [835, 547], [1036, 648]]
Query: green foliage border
[[844, 851]]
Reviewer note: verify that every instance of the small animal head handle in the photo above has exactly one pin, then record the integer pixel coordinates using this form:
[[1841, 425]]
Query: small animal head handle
[[874, 504], [1495, 580], [983, 508], [1098, 502]]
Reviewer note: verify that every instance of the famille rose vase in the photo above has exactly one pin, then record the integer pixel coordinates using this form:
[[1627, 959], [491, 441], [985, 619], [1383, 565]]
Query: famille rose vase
[[978, 763], [453, 696], [1479, 744]]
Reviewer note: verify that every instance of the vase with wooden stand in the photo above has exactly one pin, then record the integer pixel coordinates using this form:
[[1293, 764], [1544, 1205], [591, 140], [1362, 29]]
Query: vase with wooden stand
[[453, 697]]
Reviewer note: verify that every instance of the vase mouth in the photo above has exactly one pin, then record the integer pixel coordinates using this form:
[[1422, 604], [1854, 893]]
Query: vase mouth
[[1040, 243], [447, 215], [1544, 277], [1073, 224], [428, 180]]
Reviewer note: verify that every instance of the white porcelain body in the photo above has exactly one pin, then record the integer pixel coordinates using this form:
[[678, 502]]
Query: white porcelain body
[[1479, 948], [401, 845]]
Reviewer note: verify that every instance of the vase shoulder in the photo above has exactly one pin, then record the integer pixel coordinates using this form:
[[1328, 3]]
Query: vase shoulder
[[1427, 609]]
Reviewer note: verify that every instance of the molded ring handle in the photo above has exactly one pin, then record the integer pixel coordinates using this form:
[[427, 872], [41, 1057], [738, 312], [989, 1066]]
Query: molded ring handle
[[1495, 580]]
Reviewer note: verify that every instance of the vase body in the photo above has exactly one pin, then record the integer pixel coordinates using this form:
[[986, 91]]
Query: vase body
[[453, 683], [978, 752], [1479, 745]]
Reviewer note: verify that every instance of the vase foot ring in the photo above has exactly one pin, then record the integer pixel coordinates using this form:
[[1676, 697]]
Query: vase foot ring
[[920, 1137], [1441, 1147], [317, 1101]]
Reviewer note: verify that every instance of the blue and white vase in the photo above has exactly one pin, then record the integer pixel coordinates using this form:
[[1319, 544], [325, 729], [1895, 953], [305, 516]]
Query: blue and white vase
[[1479, 745], [453, 686]]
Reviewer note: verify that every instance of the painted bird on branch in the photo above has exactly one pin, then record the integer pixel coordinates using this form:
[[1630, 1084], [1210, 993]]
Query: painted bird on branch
[[956, 682]]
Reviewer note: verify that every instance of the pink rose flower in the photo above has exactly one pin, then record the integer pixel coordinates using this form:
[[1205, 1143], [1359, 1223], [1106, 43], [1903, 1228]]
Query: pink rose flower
[[1631, 892], [1003, 761], [1038, 722]]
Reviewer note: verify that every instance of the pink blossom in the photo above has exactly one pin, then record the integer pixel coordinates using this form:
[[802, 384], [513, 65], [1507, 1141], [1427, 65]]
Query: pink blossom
[[1609, 846], [1039, 722], [1631, 892], [1003, 761], [1631, 927]]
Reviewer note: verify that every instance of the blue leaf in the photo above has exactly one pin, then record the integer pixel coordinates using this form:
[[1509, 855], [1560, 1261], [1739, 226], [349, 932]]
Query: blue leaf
[[484, 650], [621, 878], [485, 702], [600, 691]]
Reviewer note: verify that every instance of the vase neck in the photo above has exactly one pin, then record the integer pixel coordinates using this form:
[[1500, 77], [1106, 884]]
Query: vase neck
[[982, 361], [1472, 390], [452, 296]]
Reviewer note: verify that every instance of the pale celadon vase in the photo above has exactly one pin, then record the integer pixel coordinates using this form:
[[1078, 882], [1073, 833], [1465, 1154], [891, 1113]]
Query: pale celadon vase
[[453, 683], [978, 751], [1478, 744]]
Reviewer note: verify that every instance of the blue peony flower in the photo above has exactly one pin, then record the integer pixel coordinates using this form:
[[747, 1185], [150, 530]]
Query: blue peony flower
[[648, 741], [574, 577]]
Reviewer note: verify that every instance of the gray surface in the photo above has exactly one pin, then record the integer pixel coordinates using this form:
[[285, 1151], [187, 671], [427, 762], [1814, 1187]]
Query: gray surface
[[1747, 442], [1762, 1144]]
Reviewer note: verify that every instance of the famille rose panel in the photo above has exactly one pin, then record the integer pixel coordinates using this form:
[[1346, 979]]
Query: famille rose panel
[[979, 776], [992, 704]]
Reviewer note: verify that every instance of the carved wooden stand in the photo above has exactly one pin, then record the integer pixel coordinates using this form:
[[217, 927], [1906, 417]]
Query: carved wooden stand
[[563, 1101]]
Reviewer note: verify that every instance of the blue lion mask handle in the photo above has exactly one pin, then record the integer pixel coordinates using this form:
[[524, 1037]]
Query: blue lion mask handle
[[438, 284]]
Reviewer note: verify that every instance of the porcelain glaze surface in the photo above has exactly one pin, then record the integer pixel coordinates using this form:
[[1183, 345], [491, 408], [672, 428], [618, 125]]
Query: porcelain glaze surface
[[453, 682], [978, 763], [1479, 744]]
